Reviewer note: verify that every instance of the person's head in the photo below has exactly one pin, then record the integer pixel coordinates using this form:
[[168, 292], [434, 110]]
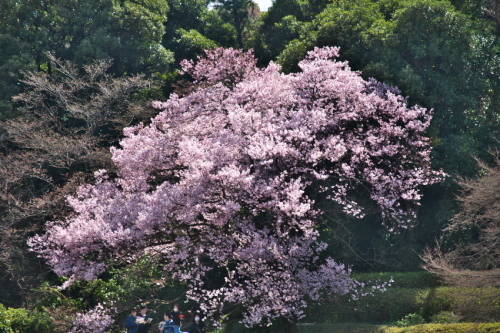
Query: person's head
[[177, 308], [143, 310], [166, 316], [133, 312], [197, 318]]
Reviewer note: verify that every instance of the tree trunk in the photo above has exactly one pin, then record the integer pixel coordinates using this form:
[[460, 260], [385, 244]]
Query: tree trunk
[[291, 326]]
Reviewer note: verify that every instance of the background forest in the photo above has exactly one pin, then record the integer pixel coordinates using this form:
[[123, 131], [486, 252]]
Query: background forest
[[74, 73]]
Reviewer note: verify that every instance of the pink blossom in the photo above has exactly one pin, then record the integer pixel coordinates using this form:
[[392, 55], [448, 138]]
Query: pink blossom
[[96, 320], [220, 181]]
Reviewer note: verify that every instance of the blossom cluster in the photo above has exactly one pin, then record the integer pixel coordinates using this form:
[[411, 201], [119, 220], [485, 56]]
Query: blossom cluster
[[96, 320], [220, 182]]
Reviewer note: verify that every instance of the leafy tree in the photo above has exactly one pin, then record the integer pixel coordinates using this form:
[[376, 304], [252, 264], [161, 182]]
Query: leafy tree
[[282, 23], [14, 56], [189, 44], [99, 29], [239, 12], [453, 69], [81, 31], [226, 185]]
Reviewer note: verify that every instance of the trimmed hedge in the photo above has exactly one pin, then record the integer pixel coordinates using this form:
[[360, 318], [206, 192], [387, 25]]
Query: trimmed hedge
[[425, 328], [341, 328], [470, 304], [386, 307], [446, 328]]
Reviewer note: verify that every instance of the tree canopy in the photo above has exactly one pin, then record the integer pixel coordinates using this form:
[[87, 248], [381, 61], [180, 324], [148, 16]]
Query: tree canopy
[[225, 181]]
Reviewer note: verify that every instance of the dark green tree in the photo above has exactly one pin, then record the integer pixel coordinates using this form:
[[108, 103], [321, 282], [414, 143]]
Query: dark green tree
[[239, 12], [191, 28], [130, 32]]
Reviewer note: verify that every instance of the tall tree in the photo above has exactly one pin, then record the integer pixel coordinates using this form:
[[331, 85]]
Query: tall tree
[[224, 186], [81, 31], [239, 11]]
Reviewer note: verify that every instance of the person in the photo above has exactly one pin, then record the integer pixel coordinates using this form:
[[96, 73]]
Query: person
[[131, 322], [143, 320], [198, 326], [196, 309], [167, 325], [175, 315]]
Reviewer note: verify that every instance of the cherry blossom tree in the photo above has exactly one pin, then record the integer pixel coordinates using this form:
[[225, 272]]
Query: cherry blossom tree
[[225, 182]]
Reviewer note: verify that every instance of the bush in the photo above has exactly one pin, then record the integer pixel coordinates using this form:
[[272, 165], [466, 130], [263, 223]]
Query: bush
[[470, 304], [444, 328], [389, 306], [411, 320], [445, 317], [341, 328], [22, 320], [425, 328]]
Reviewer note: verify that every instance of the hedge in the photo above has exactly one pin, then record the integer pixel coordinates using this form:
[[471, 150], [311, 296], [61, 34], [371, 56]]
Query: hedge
[[446, 328], [425, 328], [470, 304]]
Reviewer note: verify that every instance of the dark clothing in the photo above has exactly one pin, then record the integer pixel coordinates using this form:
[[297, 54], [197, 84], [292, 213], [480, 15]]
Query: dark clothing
[[144, 328], [196, 310], [197, 328], [167, 327], [131, 325], [175, 317]]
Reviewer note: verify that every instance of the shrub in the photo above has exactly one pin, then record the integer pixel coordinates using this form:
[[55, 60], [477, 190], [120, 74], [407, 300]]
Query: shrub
[[410, 320], [444, 328], [425, 328], [445, 317], [22, 320], [385, 307], [341, 328], [471, 304]]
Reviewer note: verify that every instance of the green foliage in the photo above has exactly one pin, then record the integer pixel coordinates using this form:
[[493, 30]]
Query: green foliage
[[445, 328], [437, 55], [14, 56], [442, 59], [445, 317], [190, 44], [410, 320], [340, 328], [219, 30], [425, 328], [82, 31], [351, 25], [125, 286], [471, 304], [384, 307], [22, 320], [191, 28]]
